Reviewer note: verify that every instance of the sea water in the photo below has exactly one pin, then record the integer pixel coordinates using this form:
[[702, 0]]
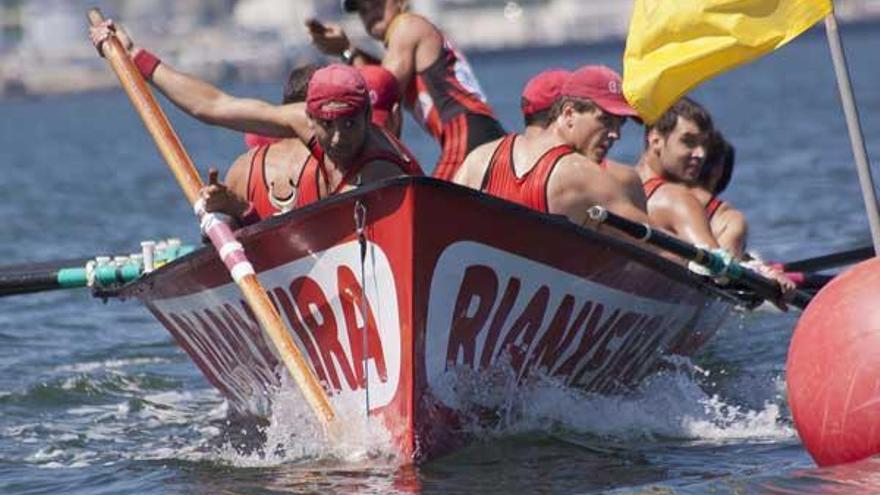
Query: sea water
[[96, 398]]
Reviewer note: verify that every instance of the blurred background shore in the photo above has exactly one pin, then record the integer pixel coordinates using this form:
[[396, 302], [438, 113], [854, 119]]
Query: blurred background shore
[[44, 47]]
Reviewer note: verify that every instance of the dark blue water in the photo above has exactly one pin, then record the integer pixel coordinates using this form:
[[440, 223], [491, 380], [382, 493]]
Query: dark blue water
[[96, 398]]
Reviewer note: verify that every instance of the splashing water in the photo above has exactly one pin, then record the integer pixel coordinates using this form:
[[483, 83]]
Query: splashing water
[[670, 404], [293, 434]]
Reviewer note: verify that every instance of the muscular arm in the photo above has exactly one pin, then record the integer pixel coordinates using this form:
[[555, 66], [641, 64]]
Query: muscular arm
[[672, 207], [209, 104], [400, 55], [732, 230], [632, 184]]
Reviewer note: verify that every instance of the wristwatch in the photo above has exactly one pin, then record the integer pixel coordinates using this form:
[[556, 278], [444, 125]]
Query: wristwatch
[[348, 56]]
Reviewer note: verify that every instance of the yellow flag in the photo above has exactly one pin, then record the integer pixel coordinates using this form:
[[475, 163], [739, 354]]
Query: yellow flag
[[674, 45]]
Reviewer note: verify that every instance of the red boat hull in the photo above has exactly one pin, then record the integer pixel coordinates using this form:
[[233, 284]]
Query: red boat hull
[[454, 280]]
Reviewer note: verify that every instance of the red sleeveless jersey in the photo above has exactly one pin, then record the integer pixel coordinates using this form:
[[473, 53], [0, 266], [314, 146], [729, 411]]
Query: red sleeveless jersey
[[446, 89], [651, 185], [529, 190], [258, 190], [310, 189]]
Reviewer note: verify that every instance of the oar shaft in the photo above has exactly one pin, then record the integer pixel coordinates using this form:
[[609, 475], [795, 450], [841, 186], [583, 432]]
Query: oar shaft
[[828, 261], [764, 287], [154, 118], [28, 282], [220, 233]]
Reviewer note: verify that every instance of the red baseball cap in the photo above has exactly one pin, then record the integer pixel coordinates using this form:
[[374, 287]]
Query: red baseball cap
[[543, 90], [601, 85], [336, 91], [383, 90]]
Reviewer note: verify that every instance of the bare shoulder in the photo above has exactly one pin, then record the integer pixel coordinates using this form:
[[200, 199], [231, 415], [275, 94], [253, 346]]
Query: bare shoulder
[[673, 195], [576, 172], [730, 215], [630, 181], [576, 184], [410, 29], [624, 173], [475, 164], [237, 175]]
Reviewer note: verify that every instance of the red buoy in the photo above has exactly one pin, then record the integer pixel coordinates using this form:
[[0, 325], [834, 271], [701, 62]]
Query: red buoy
[[833, 368]]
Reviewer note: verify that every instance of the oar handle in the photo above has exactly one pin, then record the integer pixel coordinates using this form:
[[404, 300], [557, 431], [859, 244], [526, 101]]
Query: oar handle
[[764, 287], [146, 105], [232, 252]]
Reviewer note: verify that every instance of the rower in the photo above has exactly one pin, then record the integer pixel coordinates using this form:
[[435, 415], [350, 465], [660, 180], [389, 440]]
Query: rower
[[675, 150], [674, 155], [268, 177], [264, 181], [436, 81], [347, 149], [728, 224], [542, 168], [209, 104]]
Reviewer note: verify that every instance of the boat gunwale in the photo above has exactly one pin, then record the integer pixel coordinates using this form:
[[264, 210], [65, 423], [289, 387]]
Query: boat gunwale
[[634, 252]]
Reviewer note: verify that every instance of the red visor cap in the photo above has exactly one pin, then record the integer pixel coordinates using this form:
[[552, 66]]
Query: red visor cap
[[601, 85], [383, 90], [543, 90], [336, 91]]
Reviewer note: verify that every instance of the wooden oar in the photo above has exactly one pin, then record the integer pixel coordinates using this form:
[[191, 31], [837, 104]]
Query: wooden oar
[[763, 287], [828, 261], [230, 250]]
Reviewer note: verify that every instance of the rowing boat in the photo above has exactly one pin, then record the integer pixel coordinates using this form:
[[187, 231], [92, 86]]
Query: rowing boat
[[431, 279]]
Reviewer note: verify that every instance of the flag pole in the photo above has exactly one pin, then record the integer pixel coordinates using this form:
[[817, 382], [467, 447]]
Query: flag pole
[[854, 127]]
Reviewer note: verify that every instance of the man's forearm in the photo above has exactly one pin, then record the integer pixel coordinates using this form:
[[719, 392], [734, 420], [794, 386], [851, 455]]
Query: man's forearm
[[192, 95]]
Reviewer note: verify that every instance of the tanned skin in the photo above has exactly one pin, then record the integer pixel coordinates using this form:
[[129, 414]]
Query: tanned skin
[[577, 183], [344, 139]]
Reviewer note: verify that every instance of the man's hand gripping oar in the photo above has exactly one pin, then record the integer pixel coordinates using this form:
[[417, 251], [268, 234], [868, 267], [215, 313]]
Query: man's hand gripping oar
[[763, 286], [230, 250]]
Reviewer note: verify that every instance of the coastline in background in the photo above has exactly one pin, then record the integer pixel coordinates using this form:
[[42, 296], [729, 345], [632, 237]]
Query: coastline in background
[[44, 47]]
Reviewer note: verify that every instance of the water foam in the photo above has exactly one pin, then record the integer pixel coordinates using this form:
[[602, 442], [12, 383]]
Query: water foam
[[669, 404], [294, 434]]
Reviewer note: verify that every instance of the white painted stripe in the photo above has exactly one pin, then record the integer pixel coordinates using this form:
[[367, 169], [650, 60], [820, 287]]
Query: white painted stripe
[[229, 248], [199, 207], [241, 270]]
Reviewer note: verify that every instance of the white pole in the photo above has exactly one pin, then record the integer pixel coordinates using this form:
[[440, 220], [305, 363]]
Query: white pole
[[855, 130]]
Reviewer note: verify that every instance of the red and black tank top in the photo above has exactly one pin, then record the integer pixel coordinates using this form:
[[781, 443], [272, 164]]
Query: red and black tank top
[[315, 171], [258, 190], [446, 89], [529, 190], [651, 185]]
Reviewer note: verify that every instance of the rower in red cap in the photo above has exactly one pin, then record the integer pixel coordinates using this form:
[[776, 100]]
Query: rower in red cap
[[542, 168], [346, 147], [538, 98], [349, 149], [252, 193], [436, 81]]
